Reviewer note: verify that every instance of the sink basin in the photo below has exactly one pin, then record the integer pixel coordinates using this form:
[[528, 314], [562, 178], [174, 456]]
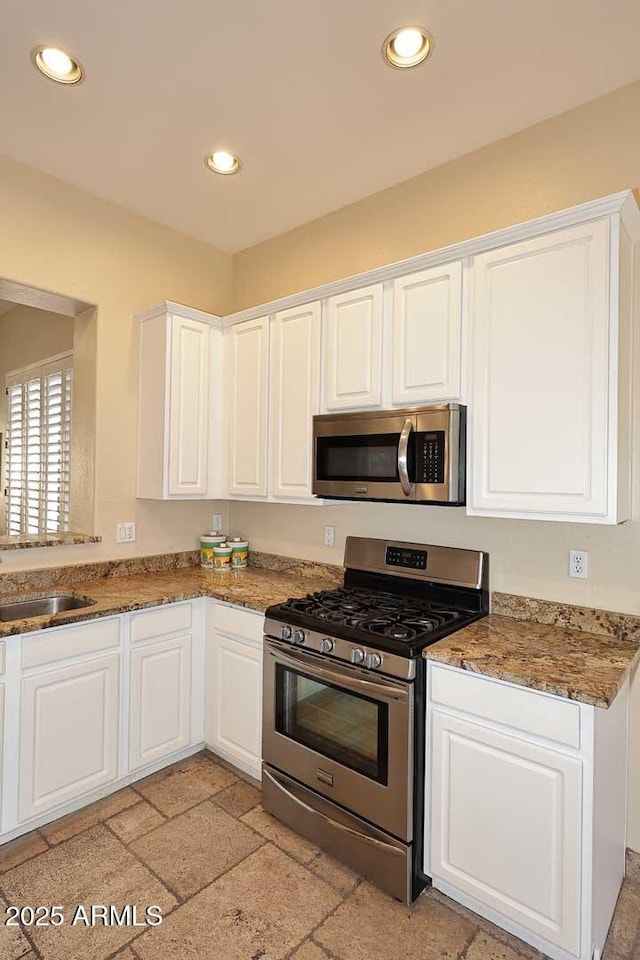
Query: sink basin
[[23, 609]]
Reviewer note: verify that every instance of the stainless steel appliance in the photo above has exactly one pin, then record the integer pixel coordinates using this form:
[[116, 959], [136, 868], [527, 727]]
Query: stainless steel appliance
[[344, 702], [414, 455]]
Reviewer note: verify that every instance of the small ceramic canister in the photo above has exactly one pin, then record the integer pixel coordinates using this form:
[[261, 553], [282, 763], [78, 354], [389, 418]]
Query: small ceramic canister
[[207, 543], [239, 553], [222, 557]]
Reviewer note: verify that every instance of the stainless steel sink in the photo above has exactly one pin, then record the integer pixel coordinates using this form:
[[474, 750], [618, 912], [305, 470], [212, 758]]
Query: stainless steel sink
[[40, 607]]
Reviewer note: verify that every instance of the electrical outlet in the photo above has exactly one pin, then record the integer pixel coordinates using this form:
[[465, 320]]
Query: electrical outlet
[[125, 532], [218, 522], [579, 564], [329, 536]]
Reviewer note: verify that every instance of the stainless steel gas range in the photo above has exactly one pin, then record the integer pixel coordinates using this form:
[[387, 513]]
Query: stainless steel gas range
[[344, 702]]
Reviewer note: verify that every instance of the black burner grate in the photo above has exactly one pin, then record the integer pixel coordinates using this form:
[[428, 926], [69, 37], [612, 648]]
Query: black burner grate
[[373, 612]]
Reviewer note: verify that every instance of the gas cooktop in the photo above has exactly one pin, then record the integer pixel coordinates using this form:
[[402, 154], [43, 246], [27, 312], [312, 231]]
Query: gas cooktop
[[373, 613], [396, 597]]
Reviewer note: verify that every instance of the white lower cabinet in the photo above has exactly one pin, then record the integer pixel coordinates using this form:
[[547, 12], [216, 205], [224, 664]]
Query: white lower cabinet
[[233, 703], [160, 700], [506, 825], [69, 720], [526, 808], [1, 742]]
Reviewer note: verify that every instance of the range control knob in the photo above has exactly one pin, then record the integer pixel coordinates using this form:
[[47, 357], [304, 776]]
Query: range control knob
[[326, 645], [374, 660], [285, 633], [299, 636], [357, 655]]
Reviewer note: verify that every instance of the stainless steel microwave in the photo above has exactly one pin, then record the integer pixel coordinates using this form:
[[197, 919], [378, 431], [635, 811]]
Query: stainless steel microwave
[[414, 455]]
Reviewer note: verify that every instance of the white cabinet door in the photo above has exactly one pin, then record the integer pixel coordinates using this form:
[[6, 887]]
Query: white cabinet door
[[247, 361], [233, 721], [160, 708], [179, 395], [506, 821], [542, 386], [427, 323], [189, 407], [353, 349], [1, 742], [68, 733], [295, 398]]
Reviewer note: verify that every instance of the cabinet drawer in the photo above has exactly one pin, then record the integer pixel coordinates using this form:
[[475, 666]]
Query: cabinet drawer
[[53, 645], [160, 621], [527, 710], [2, 656], [242, 623]]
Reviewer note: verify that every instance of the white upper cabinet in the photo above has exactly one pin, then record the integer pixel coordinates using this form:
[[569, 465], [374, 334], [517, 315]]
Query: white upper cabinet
[[550, 376], [189, 408], [353, 349], [295, 398], [427, 320], [177, 439], [246, 392]]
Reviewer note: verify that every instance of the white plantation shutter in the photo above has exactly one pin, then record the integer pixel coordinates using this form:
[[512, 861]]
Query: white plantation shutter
[[39, 447]]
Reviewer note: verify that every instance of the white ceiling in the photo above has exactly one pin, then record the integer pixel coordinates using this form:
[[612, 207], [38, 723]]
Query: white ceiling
[[297, 88]]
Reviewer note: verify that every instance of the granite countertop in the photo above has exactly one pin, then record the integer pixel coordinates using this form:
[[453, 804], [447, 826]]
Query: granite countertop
[[572, 664], [29, 540], [254, 588]]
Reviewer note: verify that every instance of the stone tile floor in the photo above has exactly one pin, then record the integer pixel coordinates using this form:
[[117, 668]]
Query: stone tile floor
[[233, 884]]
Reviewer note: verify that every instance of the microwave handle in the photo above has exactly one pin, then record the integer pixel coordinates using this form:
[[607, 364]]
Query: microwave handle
[[403, 453]]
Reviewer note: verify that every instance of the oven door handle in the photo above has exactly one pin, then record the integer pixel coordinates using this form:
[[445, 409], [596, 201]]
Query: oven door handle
[[403, 457], [337, 674]]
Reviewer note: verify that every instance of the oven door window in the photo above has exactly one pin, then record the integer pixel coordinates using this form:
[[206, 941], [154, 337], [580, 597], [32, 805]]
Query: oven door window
[[343, 726], [372, 459]]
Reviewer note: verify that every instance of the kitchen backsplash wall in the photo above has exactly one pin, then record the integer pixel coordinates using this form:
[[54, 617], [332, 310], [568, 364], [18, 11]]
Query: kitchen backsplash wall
[[530, 558]]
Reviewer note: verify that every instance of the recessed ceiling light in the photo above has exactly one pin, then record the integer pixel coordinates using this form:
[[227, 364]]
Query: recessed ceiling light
[[407, 47], [221, 161], [57, 65]]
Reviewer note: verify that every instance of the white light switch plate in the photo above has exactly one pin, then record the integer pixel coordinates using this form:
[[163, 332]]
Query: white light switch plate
[[125, 532], [218, 522]]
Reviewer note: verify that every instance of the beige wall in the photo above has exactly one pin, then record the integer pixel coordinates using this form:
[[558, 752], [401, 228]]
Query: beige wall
[[588, 152], [65, 240], [28, 335]]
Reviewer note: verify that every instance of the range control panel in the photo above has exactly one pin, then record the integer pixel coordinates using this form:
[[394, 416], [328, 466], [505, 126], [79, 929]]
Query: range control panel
[[405, 557]]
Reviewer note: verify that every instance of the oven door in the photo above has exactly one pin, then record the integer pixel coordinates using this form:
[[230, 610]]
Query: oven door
[[342, 732], [360, 457]]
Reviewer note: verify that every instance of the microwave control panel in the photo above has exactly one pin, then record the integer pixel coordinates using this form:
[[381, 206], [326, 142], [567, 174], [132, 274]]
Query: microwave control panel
[[429, 452]]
